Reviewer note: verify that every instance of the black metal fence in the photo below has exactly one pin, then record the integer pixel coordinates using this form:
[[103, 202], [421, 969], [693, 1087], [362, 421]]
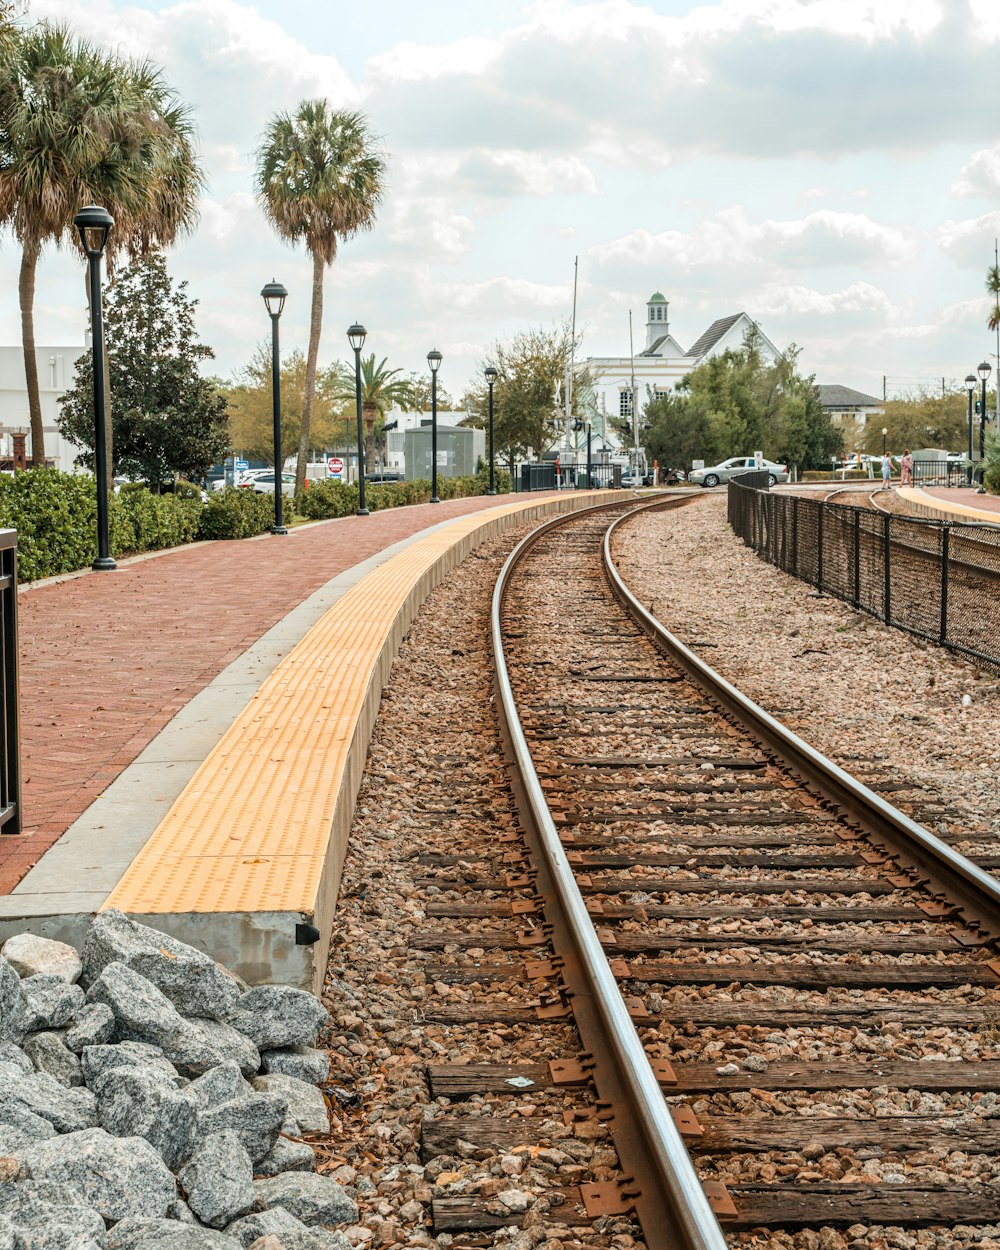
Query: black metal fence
[[541, 475], [937, 579], [10, 772]]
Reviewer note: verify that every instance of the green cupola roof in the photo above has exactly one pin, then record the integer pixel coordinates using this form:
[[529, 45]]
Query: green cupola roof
[[656, 298]]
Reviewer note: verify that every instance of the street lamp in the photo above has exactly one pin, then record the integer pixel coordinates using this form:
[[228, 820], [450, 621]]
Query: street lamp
[[491, 377], [984, 372], [356, 337], [970, 386], [884, 433], [434, 360], [579, 425], [94, 225], [274, 296]]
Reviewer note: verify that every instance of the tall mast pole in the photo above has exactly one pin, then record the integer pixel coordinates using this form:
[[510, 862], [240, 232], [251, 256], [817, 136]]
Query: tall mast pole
[[996, 401], [570, 363]]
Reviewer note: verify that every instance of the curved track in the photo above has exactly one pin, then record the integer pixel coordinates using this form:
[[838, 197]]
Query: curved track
[[765, 926]]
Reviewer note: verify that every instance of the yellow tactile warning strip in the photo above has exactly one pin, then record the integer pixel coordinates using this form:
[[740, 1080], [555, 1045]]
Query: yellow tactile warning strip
[[251, 831], [942, 509]]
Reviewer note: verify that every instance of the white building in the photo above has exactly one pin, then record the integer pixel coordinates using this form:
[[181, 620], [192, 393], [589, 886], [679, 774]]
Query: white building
[[662, 363], [56, 366]]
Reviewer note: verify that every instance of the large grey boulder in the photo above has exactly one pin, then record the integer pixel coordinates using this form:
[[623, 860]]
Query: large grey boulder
[[228, 1042], [12, 1004], [8, 1234], [144, 1014], [14, 1140], [303, 1062], [50, 1002], [12, 1056], [274, 1016], [38, 1206], [306, 1105], [286, 1155], [67, 1110], [144, 1102], [279, 1223], [218, 1180], [30, 955], [97, 1060], [256, 1120], [164, 1234], [15, 1115], [193, 981], [50, 1054], [117, 1176], [220, 1084], [92, 1025], [311, 1198]]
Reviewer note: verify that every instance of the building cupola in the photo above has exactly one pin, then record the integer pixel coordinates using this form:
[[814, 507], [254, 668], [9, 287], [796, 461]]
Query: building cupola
[[656, 318]]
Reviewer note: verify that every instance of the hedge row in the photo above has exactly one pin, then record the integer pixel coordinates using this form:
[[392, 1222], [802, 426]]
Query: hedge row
[[55, 514]]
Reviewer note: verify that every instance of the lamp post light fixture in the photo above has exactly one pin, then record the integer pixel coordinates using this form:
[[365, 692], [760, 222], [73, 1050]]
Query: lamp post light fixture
[[356, 337], [274, 296], [579, 425], [434, 360], [94, 225], [491, 377], [984, 370], [970, 386], [884, 433]]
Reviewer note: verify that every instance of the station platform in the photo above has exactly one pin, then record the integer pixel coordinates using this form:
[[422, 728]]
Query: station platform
[[195, 727], [959, 503]]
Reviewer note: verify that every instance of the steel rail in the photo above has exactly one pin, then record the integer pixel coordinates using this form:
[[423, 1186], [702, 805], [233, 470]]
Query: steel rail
[[661, 1182], [953, 879]]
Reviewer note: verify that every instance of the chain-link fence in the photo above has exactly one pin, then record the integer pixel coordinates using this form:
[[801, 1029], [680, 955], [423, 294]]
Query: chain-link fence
[[937, 579]]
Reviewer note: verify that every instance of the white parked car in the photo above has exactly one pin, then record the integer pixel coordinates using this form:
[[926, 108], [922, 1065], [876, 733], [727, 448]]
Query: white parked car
[[721, 473], [262, 483]]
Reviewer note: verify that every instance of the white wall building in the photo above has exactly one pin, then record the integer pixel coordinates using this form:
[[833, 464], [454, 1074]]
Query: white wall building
[[56, 366], [662, 362]]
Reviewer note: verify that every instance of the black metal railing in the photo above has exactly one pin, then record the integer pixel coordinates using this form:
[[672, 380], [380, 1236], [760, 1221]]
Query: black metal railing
[[10, 774], [541, 475], [937, 579]]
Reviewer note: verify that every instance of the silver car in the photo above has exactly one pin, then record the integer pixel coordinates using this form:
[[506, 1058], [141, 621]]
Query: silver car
[[721, 473]]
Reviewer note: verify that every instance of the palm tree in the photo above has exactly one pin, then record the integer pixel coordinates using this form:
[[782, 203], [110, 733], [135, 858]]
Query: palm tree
[[381, 389], [320, 178], [80, 126], [993, 287]]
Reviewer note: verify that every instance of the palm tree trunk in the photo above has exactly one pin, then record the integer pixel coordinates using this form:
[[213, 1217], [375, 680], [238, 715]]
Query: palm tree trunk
[[26, 295], [315, 327]]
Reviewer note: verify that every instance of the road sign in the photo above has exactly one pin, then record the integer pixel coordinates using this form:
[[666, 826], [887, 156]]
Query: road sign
[[335, 467], [242, 466]]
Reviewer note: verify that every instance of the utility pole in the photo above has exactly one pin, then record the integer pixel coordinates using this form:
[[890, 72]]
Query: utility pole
[[635, 406], [996, 396], [570, 441]]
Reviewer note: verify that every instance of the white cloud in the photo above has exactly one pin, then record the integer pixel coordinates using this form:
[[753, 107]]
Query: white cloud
[[220, 222], [860, 298], [970, 242], [981, 176], [503, 294], [411, 62]]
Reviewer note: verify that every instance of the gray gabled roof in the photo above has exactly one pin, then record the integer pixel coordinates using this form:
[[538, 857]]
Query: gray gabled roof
[[712, 335], [845, 397]]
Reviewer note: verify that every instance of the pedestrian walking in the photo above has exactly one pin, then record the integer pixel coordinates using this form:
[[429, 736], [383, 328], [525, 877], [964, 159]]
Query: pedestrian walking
[[906, 469], [886, 471]]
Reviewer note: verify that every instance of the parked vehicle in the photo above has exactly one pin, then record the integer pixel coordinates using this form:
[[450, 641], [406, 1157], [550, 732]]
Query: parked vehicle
[[262, 483], [719, 474], [380, 479]]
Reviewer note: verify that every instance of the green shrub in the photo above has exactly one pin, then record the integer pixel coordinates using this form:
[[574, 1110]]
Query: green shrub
[[139, 521], [327, 499], [234, 513]]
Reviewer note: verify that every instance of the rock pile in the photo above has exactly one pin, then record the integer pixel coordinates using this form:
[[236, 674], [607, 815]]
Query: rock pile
[[150, 1100]]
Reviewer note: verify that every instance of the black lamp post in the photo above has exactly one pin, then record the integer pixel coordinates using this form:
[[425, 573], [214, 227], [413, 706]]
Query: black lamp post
[[984, 372], [884, 433], [491, 377], [434, 360], [356, 338], [579, 425], [970, 386], [94, 225], [274, 296]]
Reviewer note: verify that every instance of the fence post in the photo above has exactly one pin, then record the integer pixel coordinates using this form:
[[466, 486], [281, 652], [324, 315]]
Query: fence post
[[795, 535], [819, 545], [11, 810], [887, 567], [945, 540], [857, 557]]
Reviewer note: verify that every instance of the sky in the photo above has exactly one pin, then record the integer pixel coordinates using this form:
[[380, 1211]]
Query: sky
[[831, 167]]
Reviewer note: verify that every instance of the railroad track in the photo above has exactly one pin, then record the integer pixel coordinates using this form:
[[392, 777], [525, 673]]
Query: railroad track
[[785, 988]]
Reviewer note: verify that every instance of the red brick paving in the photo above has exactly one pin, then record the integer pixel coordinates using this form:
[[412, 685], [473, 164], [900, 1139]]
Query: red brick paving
[[965, 496], [108, 659]]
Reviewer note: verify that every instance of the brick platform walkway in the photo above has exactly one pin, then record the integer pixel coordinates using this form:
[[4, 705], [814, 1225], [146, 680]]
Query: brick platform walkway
[[965, 496], [107, 659]]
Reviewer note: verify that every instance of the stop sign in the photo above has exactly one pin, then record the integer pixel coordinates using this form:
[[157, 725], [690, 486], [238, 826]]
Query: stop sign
[[335, 467]]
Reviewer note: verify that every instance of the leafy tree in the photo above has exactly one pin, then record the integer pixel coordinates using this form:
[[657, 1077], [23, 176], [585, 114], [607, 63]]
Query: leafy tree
[[737, 402], [993, 288], [167, 418], [381, 389], [78, 126], [420, 390], [525, 416], [922, 420], [251, 419], [320, 178]]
